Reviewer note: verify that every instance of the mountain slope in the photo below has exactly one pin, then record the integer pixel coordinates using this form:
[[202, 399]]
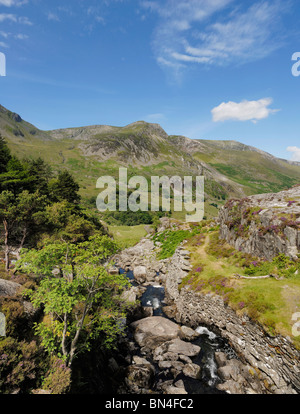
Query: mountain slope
[[231, 169]]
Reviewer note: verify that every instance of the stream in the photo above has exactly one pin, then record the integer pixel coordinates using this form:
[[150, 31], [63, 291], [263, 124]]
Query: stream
[[208, 341]]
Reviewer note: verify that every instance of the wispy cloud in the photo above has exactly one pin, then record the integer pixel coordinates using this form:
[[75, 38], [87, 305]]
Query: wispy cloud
[[25, 20], [21, 36], [8, 16], [11, 3], [295, 153], [214, 32], [243, 111], [53, 17], [15, 19]]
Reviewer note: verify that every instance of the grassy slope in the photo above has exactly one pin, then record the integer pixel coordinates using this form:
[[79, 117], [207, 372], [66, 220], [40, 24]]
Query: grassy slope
[[256, 173], [147, 150]]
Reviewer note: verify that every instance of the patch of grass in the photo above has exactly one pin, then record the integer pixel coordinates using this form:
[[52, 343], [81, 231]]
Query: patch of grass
[[128, 236], [171, 239]]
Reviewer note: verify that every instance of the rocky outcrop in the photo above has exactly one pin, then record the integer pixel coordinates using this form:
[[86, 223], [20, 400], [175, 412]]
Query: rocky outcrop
[[167, 350], [272, 360], [263, 225], [141, 259], [8, 288]]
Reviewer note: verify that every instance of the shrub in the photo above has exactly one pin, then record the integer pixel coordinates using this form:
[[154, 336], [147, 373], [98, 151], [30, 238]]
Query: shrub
[[21, 365], [58, 378], [170, 241]]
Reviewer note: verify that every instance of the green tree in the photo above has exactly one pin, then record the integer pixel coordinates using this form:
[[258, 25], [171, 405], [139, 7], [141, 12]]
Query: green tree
[[69, 223], [29, 208], [5, 155], [81, 300], [8, 216], [40, 173], [19, 214], [64, 187]]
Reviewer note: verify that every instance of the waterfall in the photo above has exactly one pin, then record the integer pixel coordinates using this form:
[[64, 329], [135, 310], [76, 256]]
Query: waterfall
[[202, 330]]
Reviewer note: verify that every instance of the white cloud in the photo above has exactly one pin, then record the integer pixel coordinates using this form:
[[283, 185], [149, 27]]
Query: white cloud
[[10, 3], [295, 153], [21, 36], [15, 19], [53, 17], [214, 32], [7, 16], [243, 111], [25, 20]]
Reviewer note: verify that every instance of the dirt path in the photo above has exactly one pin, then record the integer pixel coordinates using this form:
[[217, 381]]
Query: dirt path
[[205, 258]]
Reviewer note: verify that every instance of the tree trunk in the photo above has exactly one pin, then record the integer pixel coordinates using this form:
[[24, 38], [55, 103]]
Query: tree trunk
[[253, 277], [21, 243], [6, 251], [63, 342], [76, 337]]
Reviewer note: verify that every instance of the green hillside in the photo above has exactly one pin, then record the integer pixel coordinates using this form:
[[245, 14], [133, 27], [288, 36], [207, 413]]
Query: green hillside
[[231, 169]]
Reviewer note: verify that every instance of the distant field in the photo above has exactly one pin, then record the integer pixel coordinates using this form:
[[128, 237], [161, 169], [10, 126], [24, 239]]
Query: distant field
[[128, 236]]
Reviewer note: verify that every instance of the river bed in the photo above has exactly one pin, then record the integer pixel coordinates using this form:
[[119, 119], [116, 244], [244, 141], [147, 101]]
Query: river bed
[[208, 341]]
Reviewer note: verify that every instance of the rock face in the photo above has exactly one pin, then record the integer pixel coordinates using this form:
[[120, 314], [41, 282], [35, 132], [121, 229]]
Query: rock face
[[263, 225]]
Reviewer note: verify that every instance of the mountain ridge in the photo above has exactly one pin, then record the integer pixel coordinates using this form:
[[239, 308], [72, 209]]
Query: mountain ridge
[[231, 168]]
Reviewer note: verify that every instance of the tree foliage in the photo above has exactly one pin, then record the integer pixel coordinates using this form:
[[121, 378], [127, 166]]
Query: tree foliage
[[81, 300]]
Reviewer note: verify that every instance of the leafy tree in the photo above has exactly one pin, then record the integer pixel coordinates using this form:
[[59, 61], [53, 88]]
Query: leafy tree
[[8, 216], [5, 155], [15, 179], [64, 188], [19, 215], [69, 223], [81, 300], [29, 208], [40, 173]]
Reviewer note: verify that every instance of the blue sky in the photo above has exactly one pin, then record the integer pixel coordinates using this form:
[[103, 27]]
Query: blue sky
[[210, 69]]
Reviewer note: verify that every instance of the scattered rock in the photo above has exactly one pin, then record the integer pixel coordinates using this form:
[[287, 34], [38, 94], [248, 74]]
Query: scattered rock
[[175, 390], [188, 333], [192, 371], [184, 348], [140, 375], [129, 295], [221, 359], [140, 274], [170, 311], [8, 288], [154, 330]]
